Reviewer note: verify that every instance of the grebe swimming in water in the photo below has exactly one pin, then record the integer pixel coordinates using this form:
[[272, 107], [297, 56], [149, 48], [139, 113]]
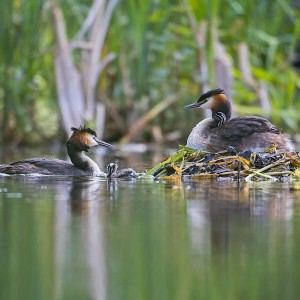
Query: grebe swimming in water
[[113, 172], [80, 141], [243, 133]]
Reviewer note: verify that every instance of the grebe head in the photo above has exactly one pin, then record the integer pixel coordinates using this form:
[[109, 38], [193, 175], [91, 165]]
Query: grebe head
[[83, 138], [111, 169], [217, 102]]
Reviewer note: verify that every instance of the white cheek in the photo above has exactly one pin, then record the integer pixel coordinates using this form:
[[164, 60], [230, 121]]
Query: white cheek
[[207, 105], [92, 142]]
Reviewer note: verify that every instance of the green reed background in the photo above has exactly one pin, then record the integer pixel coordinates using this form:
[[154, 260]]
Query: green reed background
[[157, 55]]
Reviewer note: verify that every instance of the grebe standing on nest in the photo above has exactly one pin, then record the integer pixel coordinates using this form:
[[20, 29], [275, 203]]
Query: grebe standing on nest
[[243, 133], [80, 141]]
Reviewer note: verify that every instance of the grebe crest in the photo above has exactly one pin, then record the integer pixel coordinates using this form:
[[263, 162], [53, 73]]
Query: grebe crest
[[211, 98], [83, 138]]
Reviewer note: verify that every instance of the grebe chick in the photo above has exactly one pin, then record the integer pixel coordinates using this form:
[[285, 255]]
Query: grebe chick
[[112, 172], [243, 133], [80, 141]]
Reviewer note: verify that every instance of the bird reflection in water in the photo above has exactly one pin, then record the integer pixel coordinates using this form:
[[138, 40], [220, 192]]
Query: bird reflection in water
[[215, 208], [79, 214], [113, 173]]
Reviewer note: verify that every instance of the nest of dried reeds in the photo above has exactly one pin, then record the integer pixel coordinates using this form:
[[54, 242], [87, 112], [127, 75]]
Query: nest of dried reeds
[[249, 166]]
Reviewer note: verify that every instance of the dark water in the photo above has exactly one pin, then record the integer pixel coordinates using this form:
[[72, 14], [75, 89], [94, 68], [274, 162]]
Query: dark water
[[85, 238]]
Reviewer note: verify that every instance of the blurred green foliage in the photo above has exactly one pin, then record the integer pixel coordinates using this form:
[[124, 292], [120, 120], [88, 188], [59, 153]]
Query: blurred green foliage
[[157, 55], [26, 72]]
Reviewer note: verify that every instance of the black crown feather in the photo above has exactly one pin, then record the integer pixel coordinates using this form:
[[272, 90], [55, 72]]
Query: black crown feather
[[84, 129], [210, 94]]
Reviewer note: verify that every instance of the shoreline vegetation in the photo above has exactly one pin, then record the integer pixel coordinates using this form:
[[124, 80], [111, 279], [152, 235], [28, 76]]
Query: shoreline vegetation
[[127, 68]]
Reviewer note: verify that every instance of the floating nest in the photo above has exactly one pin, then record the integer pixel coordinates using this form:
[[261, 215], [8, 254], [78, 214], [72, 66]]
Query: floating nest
[[248, 166]]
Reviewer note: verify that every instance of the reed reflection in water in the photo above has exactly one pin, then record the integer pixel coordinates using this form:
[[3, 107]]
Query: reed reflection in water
[[86, 238]]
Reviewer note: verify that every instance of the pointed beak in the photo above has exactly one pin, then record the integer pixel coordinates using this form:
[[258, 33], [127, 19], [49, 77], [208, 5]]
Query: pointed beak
[[193, 105], [104, 144]]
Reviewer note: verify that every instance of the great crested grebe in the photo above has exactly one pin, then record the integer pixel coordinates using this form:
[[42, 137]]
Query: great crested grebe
[[243, 133], [80, 141], [113, 172]]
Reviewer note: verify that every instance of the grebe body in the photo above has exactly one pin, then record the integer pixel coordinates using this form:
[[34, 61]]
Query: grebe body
[[80, 141], [113, 172], [243, 133]]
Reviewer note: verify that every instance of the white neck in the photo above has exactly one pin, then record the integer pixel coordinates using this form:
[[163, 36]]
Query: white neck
[[83, 162]]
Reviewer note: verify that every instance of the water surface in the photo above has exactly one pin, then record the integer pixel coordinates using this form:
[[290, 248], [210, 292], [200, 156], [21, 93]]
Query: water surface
[[86, 238]]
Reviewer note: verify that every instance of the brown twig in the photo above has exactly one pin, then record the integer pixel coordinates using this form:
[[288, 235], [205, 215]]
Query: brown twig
[[140, 124]]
